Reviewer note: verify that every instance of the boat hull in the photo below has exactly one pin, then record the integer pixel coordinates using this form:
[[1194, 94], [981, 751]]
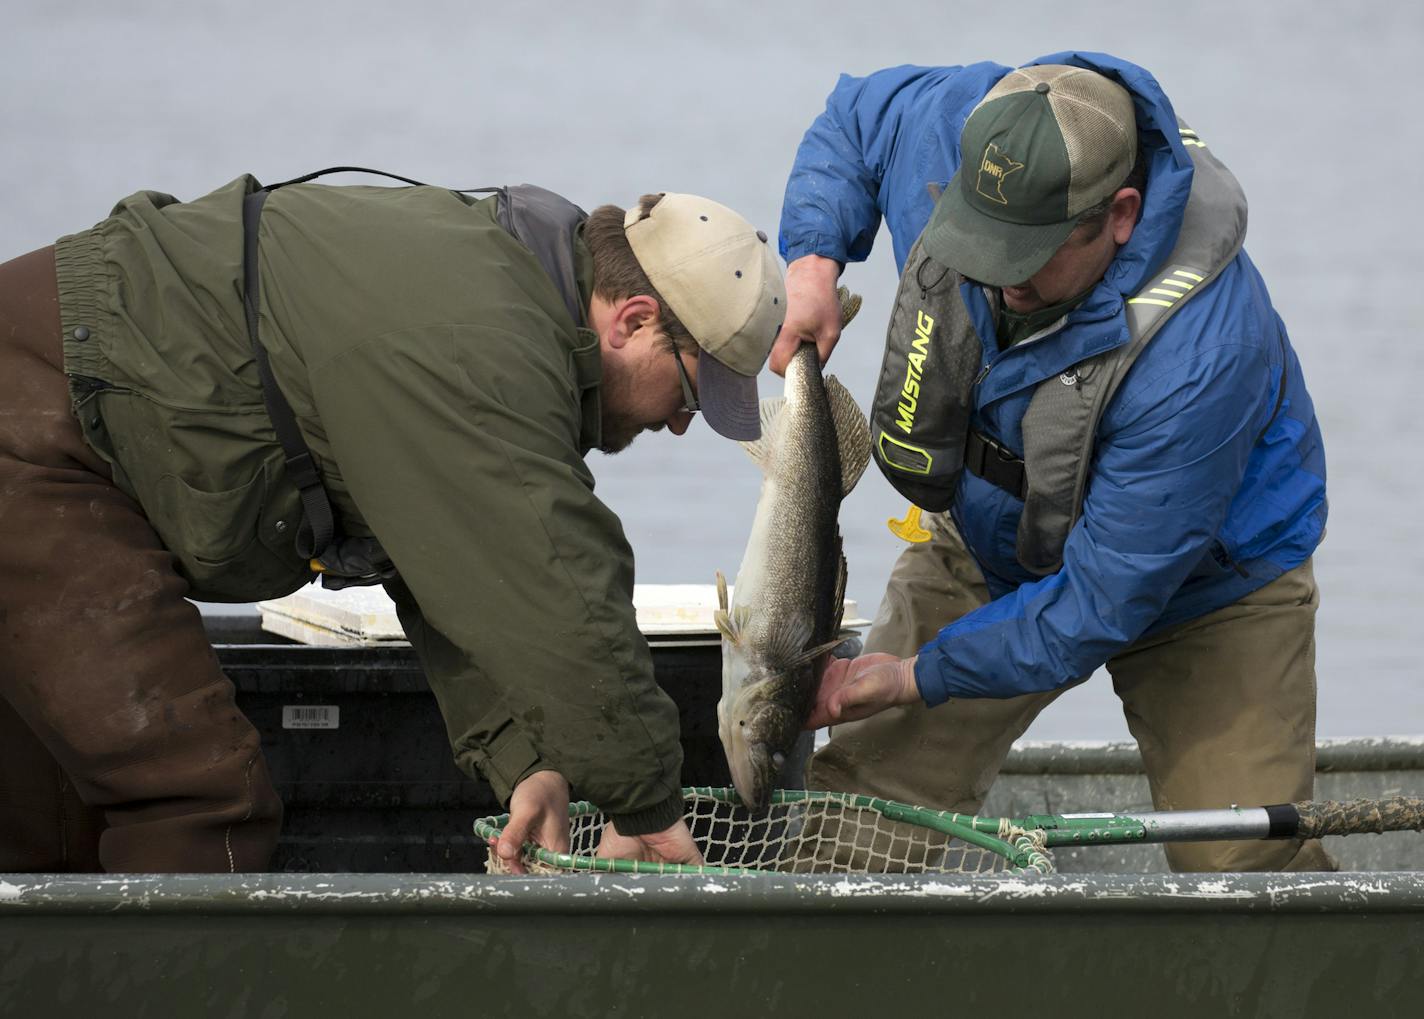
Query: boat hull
[[379, 945]]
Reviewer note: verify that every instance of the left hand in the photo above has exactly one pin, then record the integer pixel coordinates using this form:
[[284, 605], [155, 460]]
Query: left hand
[[539, 813], [671, 845], [855, 688]]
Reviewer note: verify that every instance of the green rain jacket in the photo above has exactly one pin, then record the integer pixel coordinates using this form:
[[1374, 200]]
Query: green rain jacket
[[448, 398]]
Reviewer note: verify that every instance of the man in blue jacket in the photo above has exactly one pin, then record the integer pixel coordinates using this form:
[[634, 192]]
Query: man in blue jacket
[[1085, 374]]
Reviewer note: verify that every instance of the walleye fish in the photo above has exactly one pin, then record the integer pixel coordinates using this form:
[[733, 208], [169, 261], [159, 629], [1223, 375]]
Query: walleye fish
[[785, 614]]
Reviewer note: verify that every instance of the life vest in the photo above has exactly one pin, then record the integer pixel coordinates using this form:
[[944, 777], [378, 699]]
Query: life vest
[[542, 221], [924, 399]]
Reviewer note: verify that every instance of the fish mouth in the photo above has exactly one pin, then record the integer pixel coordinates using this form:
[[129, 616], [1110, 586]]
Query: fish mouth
[[752, 770]]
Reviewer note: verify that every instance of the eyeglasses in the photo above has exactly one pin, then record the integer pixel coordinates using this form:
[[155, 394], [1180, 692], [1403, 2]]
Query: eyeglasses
[[689, 398]]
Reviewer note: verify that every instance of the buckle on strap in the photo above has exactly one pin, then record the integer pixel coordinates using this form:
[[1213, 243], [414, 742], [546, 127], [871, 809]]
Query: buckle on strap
[[995, 464], [302, 470]]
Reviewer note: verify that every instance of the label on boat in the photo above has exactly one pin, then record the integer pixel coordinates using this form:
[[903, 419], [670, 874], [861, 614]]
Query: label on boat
[[311, 716]]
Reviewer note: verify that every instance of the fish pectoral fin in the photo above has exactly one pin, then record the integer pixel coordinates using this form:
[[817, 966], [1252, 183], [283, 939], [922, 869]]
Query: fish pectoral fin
[[731, 624], [721, 618], [789, 648], [809, 655], [852, 433], [788, 643], [760, 450]]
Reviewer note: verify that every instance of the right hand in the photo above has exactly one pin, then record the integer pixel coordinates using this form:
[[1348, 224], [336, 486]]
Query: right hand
[[538, 813], [813, 311], [856, 688], [673, 844]]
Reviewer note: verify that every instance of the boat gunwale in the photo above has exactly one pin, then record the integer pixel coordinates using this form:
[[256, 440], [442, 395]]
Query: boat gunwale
[[429, 895], [1121, 757]]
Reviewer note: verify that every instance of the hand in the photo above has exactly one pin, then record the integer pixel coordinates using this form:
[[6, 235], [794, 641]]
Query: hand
[[813, 311], [539, 813], [855, 688], [671, 845]]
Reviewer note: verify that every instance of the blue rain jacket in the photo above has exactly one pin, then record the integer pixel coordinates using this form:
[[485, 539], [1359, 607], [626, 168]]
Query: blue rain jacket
[[1208, 479]]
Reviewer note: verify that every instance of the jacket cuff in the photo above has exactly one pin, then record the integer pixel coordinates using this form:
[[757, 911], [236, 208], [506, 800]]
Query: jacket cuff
[[653, 819], [928, 679], [504, 762], [825, 245]]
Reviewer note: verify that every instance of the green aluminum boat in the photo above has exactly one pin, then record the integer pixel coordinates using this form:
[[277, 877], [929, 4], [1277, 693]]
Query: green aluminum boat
[[382, 910]]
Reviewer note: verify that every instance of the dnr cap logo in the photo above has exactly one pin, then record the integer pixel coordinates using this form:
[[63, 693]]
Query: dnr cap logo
[[993, 168]]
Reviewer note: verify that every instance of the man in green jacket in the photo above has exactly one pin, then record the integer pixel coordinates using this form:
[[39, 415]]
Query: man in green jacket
[[447, 361]]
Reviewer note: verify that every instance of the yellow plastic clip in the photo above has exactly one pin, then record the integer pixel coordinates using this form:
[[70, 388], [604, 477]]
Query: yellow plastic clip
[[317, 566], [909, 529]]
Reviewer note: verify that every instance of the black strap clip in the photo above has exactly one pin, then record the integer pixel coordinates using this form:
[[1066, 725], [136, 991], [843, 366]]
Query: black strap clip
[[995, 464]]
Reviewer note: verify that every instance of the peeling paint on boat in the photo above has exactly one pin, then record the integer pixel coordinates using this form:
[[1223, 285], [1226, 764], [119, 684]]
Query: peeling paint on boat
[[422, 895]]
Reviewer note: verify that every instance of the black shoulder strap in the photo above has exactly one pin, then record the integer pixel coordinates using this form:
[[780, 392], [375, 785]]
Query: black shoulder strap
[[319, 524], [304, 178], [539, 219], [318, 528]]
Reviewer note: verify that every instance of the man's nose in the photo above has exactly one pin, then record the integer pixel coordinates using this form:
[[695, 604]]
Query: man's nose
[[679, 421]]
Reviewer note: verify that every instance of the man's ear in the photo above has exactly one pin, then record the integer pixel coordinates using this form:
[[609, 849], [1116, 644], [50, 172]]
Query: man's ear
[[630, 315], [1123, 213]]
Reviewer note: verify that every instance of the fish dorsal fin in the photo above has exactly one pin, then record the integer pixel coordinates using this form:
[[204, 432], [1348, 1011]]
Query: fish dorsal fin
[[760, 449], [852, 433], [852, 430]]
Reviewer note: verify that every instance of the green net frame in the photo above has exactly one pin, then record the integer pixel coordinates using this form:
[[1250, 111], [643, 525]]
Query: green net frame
[[803, 832]]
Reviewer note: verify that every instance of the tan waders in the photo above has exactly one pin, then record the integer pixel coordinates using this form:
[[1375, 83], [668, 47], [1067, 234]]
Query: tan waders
[[1222, 707], [120, 746]]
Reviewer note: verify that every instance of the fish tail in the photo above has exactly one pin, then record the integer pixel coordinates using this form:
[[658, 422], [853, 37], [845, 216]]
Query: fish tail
[[850, 304]]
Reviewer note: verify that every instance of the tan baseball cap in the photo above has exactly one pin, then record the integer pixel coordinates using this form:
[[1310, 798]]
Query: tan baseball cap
[[721, 278]]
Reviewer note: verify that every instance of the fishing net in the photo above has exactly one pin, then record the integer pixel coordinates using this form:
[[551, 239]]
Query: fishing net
[[801, 832]]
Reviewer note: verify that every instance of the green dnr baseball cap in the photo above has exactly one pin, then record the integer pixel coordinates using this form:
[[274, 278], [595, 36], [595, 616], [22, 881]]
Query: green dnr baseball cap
[[1046, 144]]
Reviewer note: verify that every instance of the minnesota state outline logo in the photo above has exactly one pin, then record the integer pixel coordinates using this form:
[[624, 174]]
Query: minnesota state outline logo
[[993, 168]]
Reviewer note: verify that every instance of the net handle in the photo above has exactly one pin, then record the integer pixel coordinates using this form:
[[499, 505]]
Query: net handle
[[1356, 817], [1303, 820]]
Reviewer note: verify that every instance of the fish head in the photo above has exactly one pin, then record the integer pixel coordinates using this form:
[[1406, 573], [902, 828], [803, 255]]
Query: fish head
[[757, 732]]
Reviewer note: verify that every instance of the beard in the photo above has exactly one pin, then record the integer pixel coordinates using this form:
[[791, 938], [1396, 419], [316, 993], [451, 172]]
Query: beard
[[620, 425], [618, 432]]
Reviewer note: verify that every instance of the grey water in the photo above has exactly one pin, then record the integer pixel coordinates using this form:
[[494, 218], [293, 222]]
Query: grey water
[[1315, 106]]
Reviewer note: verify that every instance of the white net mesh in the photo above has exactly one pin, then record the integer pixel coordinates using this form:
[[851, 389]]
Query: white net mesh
[[825, 833]]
